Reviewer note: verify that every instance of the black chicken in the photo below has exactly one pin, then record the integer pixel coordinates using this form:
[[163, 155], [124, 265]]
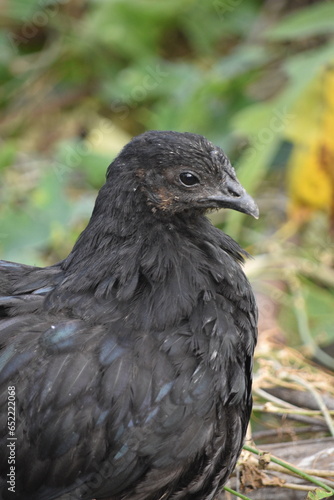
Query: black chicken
[[130, 361]]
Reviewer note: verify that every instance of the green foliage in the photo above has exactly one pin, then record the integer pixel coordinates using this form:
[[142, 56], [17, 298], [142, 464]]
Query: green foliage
[[315, 20], [318, 494]]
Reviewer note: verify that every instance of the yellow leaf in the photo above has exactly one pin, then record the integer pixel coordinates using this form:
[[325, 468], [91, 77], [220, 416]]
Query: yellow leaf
[[311, 168]]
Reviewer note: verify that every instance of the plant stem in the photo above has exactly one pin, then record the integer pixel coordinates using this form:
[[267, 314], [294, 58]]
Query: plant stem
[[236, 493], [290, 467]]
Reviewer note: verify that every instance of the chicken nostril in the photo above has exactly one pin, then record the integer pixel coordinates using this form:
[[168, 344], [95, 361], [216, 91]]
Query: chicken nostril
[[234, 193]]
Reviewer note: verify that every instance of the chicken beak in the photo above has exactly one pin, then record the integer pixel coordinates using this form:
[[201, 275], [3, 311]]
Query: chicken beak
[[232, 195]]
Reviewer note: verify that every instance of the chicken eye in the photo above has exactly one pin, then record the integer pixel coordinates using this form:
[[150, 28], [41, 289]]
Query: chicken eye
[[188, 179]]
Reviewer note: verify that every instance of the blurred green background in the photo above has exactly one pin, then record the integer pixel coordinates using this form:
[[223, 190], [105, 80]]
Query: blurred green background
[[80, 78]]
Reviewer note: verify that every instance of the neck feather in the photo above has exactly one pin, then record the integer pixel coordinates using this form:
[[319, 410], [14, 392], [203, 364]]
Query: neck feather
[[147, 259]]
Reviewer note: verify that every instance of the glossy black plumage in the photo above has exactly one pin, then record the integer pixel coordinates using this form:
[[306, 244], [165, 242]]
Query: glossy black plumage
[[131, 359]]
